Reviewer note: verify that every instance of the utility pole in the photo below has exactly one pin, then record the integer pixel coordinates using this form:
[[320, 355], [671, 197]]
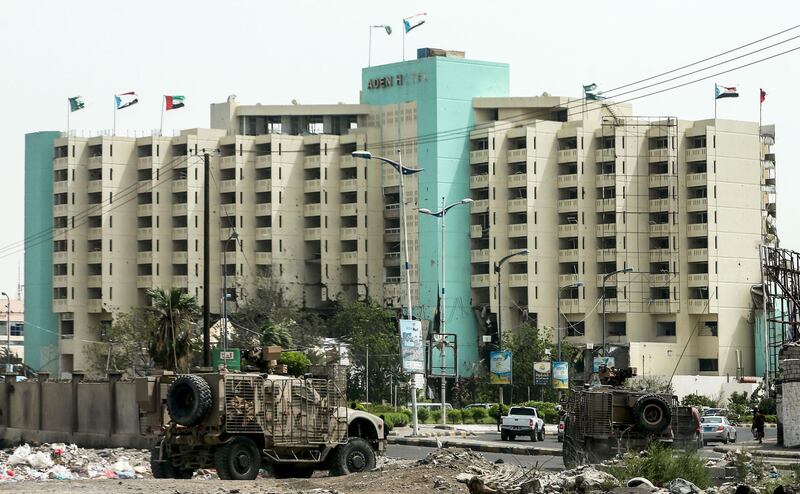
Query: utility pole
[[366, 373], [206, 262]]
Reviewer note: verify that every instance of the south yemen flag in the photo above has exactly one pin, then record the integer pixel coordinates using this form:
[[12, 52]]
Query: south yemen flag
[[174, 102], [76, 103], [125, 100], [724, 92]]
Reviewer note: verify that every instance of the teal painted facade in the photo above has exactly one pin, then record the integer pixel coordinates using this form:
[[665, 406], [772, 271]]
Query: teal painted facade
[[443, 89], [41, 324], [759, 343]]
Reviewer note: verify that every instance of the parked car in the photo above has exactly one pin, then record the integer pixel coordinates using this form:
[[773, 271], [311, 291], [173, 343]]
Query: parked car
[[432, 406], [717, 428], [561, 426], [479, 405], [522, 421]]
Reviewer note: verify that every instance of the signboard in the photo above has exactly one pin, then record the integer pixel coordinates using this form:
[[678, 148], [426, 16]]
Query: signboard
[[231, 357], [609, 361], [560, 375], [412, 349], [500, 367], [541, 373]]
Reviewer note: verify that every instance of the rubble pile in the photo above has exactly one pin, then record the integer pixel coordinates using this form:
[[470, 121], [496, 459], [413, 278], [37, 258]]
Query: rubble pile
[[59, 461]]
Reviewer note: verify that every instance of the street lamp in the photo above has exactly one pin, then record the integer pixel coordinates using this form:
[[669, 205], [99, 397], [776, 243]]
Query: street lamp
[[577, 284], [442, 319], [234, 235], [402, 170], [8, 329], [497, 266], [606, 277], [386, 28]]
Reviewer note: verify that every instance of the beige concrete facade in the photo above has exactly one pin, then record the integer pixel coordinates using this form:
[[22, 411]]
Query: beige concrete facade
[[15, 313]]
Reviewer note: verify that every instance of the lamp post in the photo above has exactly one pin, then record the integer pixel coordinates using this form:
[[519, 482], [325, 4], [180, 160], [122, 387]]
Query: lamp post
[[606, 277], [577, 284], [8, 330], [402, 170], [497, 266], [234, 235], [388, 30], [442, 311]]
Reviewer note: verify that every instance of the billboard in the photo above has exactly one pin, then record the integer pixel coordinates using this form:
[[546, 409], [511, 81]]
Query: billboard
[[500, 367], [609, 361], [412, 350], [560, 375], [541, 373], [232, 358]]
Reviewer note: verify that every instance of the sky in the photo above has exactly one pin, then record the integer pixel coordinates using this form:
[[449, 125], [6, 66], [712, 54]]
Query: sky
[[312, 51]]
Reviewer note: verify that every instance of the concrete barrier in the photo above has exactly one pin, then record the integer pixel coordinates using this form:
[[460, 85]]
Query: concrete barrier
[[475, 446]]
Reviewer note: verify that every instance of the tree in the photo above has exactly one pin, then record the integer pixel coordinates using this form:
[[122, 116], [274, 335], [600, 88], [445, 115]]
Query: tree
[[176, 313], [124, 344], [650, 384], [530, 344], [296, 362]]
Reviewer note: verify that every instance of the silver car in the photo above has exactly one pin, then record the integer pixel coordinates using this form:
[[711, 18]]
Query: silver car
[[716, 428]]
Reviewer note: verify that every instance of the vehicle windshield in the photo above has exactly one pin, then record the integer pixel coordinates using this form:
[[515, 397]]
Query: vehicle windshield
[[522, 411], [712, 420]]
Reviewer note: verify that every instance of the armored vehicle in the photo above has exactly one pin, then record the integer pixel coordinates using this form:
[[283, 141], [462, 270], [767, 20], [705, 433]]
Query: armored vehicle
[[603, 421], [239, 423]]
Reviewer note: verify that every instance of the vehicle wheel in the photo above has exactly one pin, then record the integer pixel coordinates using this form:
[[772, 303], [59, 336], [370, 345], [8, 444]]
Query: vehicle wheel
[[161, 469], [239, 459], [726, 438], [355, 456], [189, 400], [503, 436], [282, 471], [533, 436], [570, 454], [540, 436], [705, 443], [734, 438], [652, 414], [512, 436]]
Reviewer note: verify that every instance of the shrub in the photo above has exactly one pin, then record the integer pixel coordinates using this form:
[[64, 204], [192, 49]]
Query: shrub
[[423, 414], [698, 401], [296, 362], [659, 466], [436, 415], [406, 411], [478, 414], [498, 410], [454, 416], [394, 419]]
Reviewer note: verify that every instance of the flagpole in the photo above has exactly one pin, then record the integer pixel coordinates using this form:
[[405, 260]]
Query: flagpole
[[161, 128], [715, 102], [114, 131], [404, 43], [69, 110]]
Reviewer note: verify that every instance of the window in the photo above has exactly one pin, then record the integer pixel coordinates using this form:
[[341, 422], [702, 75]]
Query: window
[[575, 328], [708, 364], [665, 328], [616, 328]]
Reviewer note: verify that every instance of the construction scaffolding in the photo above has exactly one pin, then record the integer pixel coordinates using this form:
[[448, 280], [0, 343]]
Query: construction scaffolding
[[781, 287]]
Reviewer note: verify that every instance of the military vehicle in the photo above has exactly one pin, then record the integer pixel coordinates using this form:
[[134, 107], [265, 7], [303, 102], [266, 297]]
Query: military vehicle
[[239, 423], [606, 420]]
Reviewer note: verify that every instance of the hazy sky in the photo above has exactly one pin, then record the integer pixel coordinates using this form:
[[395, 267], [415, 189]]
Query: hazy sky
[[273, 52]]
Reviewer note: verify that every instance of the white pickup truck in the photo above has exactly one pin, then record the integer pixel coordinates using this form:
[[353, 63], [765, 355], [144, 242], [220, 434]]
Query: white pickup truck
[[522, 421]]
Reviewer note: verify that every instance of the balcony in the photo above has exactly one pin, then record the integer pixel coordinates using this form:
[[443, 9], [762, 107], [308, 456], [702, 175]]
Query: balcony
[[95, 162], [391, 259], [311, 234], [567, 279], [568, 180], [660, 255], [659, 180], [311, 161], [479, 206], [60, 210], [94, 281], [95, 233], [480, 280], [227, 162], [95, 257], [606, 255], [183, 257], [609, 204], [660, 229], [567, 205], [659, 204], [700, 306], [352, 184], [478, 181], [144, 281], [180, 281], [390, 178], [347, 161], [393, 282], [59, 163], [518, 180], [264, 209], [478, 156], [517, 155], [264, 233], [696, 154], [662, 306], [571, 306], [263, 258], [145, 163], [391, 235], [567, 155], [348, 258], [177, 209], [264, 161], [351, 233], [698, 279], [606, 230], [606, 180], [94, 306], [60, 305], [180, 233], [697, 204], [658, 155], [314, 209], [697, 230], [144, 257], [568, 255], [97, 186], [60, 186], [227, 186], [518, 259], [350, 209], [662, 279], [59, 281], [479, 255], [180, 185], [145, 233], [263, 185], [518, 280], [604, 155], [567, 231], [392, 291], [475, 231], [696, 179], [698, 255], [517, 205], [313, 185], [518, 230]]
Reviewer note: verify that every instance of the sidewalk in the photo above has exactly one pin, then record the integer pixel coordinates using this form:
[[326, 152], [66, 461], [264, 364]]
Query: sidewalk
[[439, 430], [767, 449], [475, 445]]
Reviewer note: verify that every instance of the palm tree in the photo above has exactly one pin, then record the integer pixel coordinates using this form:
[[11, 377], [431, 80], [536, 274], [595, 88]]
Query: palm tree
[[170, 340]]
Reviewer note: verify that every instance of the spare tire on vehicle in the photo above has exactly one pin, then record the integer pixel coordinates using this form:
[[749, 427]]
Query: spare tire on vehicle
[[189, 400], [652, 414]]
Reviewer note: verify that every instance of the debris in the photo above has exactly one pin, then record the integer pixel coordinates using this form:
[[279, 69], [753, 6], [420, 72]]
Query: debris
[[640, 481], [20, 455], [59, 472], [681, 486], [464, 478], [67, 461]]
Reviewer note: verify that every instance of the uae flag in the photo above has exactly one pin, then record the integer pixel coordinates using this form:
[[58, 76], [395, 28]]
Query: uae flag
[[174, 102], [125, 100], [725, 92]]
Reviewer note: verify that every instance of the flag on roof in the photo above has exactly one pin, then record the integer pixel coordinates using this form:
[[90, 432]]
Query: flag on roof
[[589, 87], [591, 93], [125, 100], [174, 102], [763, 95], [725, 92], [416, 20], [76, 103]]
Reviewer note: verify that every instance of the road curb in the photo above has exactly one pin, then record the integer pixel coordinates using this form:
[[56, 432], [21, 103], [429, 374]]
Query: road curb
[[475, 446], [770, 453]]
